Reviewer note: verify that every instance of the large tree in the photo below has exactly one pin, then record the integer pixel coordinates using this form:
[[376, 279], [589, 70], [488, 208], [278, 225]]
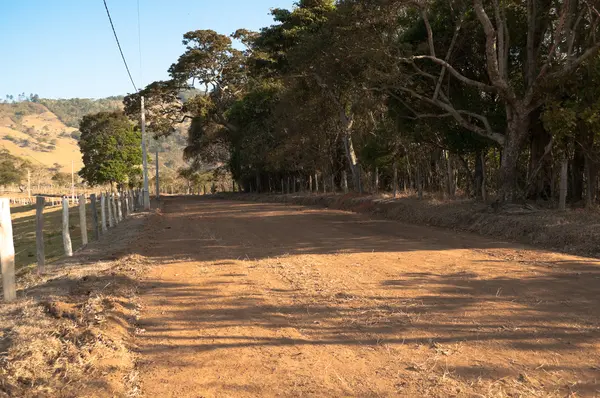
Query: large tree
[[492, 54], [111, 149]]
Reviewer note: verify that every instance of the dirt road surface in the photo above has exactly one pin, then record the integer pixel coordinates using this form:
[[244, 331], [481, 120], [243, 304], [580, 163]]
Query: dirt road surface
[[259, 300]]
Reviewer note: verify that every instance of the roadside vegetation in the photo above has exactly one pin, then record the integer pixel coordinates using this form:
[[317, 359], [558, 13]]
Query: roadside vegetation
[[491, 100]]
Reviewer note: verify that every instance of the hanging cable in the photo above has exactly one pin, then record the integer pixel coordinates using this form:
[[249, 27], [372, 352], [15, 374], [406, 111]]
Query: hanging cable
[[119, 45]]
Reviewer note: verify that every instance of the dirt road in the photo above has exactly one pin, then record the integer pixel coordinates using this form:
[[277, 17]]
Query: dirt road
[[253, 299]]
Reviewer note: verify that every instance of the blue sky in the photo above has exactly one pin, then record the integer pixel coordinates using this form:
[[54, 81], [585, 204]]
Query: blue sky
[[65, 48]]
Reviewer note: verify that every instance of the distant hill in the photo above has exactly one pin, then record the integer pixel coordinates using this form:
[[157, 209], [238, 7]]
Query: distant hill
[[70, 111], [31, 131], [45, 131]]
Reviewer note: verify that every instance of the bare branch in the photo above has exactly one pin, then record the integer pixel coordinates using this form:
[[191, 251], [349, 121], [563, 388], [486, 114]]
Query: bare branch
[[571, 66], [429, 32], [573, 32], [422, 72], [491, 54], [557, 39], [457, 115], [500, 25], [530, 53], [448, 54], [454, 72]]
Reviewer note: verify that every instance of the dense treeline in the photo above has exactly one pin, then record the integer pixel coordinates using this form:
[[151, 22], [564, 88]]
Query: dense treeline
[[477, 97]]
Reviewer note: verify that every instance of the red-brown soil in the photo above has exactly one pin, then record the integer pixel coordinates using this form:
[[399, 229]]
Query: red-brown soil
[[251, 299]]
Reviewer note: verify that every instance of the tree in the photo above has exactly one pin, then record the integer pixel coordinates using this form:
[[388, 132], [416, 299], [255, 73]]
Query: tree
[[61, 179], [448, 96], [111, 148], [527, 51], [12, 168]]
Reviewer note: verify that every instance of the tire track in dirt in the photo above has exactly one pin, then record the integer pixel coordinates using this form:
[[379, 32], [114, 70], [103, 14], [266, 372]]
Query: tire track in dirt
[[271, 300]]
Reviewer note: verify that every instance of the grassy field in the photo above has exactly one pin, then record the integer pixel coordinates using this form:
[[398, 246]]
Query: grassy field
[[23, 218]]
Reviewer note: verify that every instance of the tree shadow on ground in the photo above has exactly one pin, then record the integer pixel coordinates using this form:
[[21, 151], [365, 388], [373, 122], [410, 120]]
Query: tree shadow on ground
[[548, 306]]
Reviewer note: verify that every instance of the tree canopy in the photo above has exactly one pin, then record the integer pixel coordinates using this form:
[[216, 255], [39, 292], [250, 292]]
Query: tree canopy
[[12, 168], [111, 149], [450, 93]]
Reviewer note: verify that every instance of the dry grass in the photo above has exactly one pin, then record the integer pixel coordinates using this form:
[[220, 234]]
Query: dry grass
[[23, 218], [572, 231], [64, 153], [70, 332]]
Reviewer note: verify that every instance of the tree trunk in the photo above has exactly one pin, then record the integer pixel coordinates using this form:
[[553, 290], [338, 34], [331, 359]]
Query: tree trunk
[[258, 187], [419, 183], [376, 180], [577, 173], [540, 163], [395, 183], [352, 160], [590, 176], [479, 174], [310, 188], [516, 131], [345, 181], [508, 171], [563, 184], [449, 174]]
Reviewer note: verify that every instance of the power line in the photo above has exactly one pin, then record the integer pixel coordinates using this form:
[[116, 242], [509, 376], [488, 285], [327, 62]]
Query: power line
[[119, 45]]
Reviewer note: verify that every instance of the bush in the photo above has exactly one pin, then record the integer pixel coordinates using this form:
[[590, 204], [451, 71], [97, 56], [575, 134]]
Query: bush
[[76, 135]]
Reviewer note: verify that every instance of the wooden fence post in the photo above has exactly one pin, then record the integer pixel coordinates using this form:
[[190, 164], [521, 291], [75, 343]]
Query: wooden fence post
[[113, 205], [83, 221], [125, 205], [111, 221], [118, 205], [103, 212], [65, 228], [39, 233], [94, 216], [7, 252]]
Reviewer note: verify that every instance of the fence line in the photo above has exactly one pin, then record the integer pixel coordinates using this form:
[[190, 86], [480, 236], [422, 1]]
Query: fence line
[[119, 207]]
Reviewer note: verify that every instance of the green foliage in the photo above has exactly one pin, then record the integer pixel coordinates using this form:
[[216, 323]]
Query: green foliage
[[111, 148], [336, 86], [61, 179], [12, 169]]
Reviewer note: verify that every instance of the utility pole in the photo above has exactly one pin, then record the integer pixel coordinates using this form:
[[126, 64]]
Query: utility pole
[[72, 181], [157, 182], [145, 158]]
